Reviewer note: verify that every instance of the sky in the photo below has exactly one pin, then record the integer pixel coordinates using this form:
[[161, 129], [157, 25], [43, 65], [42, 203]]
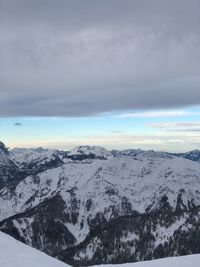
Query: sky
[[115, 73]]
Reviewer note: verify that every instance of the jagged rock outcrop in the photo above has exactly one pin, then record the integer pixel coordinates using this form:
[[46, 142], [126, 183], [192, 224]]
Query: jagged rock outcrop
[[9, 172]]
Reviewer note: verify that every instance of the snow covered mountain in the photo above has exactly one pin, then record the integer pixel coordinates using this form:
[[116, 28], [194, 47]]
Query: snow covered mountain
[[88, 152], [192, 155], [18, 163], [32, 161], [91, 206], [15, 254]]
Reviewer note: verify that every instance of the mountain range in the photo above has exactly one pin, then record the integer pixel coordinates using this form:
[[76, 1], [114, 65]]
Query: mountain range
[[91, 206]]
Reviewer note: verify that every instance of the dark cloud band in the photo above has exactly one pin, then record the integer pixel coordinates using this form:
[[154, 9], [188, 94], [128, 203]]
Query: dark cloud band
[[69, 58]]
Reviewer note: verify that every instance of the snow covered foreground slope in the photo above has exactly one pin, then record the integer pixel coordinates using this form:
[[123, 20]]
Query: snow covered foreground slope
[[15, 254], [184, 261]]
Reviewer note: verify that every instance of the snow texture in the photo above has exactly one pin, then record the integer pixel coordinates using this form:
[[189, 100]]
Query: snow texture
[[184, 261], [15, 254]]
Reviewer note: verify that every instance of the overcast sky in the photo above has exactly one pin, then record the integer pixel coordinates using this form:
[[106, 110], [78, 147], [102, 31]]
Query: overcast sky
[[117, 73], [80, 58]]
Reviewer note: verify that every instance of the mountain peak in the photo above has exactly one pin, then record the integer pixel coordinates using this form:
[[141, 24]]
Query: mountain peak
[[83, 152]]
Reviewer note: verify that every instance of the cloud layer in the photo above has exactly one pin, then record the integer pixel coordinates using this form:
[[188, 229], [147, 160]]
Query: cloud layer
[[80, 58]]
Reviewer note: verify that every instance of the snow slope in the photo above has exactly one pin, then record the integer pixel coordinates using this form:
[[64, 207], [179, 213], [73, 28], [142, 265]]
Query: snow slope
[[184, 261], [15, 254]]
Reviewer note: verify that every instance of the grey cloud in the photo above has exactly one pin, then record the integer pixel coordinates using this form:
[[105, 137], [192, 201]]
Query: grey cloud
[[17, 124], [80, 58]]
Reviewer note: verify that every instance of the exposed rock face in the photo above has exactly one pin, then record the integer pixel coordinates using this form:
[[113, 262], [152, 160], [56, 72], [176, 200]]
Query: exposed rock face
[[3, 149], [88, 152], [91, 206], [9, 172]]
